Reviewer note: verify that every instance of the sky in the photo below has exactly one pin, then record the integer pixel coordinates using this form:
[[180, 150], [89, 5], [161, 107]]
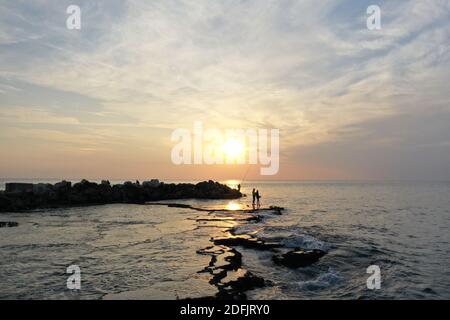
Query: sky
[[103, 101]]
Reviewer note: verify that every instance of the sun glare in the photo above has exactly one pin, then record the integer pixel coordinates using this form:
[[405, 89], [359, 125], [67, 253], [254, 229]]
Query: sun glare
[[233, 149]]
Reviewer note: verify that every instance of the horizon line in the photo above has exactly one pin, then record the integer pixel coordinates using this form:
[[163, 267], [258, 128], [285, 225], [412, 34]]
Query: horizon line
[[223, 180]]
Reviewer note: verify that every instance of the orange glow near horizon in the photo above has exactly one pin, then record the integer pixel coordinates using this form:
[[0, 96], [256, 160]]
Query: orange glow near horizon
[[232, 183]]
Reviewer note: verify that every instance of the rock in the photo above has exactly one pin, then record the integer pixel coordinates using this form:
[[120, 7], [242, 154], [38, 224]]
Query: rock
[[42, 187], [247, 282], [6, 204], [299, 258], [151, 184], [246, 242], [20, 196], [8, 224], [63, 185], [276, 210], [179, 205], [18, 187], [227, 273]]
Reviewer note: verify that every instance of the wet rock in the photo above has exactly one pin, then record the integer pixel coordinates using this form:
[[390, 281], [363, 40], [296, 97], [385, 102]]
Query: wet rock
[[235, 289], [298, 258], [276, 210], [222, 219], [178, 205], [8, 224], [234, 260], [246, 242], [227, 273], [225, 267], [255, 218], [247, 282], [222, 260]]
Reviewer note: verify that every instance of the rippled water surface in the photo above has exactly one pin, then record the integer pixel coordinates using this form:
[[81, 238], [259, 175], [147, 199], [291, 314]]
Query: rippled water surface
[[150, 252]]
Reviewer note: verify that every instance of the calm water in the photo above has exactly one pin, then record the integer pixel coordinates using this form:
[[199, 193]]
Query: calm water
[[148, 252]]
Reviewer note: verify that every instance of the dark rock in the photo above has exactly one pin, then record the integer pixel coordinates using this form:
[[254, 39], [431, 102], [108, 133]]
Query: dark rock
[[179, 205], [248, 282], [14, 187], [299, 258], [246, 242], [276, 210], [33, 196], [63, 185], [227, 273], [5, 202], [8, 224], [151, 184]]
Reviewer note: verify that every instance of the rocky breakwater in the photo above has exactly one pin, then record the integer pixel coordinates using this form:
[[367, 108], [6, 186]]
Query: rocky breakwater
[[27, 196], [226, 270]]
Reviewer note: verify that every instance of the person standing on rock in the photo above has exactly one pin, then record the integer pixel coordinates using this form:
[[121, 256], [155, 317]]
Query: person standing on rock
[[258, 204], [254, 197]]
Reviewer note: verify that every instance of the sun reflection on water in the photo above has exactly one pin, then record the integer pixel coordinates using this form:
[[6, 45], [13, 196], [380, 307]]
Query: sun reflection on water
[[233, 206]]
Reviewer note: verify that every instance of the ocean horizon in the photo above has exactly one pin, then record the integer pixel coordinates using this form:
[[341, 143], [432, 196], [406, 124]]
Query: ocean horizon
[[232, 182]]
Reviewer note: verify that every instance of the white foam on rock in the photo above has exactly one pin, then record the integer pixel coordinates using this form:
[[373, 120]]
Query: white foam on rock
[[305, 241]]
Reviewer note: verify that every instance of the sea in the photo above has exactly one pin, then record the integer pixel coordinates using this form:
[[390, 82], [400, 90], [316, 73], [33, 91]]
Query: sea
[[127, 251]]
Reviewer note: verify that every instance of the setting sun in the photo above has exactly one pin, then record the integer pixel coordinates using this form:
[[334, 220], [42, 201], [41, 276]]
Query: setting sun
[[233, 149]]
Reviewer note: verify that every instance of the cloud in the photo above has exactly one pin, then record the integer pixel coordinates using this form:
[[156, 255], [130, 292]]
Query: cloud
[[400, 147]]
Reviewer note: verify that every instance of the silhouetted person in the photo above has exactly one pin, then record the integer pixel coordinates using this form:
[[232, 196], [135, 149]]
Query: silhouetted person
[[258, 204], [254, 197], [239, 187]]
